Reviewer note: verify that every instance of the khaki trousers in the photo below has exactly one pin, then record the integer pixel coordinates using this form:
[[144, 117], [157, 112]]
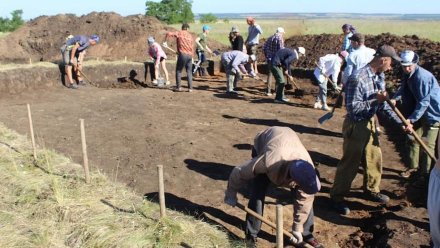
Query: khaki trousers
[[361, 145]]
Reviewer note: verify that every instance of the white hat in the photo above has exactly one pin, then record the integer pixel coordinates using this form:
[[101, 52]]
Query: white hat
[[253, 57], [302, 50], [408, 57], [280, 30]]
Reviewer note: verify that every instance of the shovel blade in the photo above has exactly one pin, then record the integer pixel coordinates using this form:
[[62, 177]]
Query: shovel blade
[[325, 117]]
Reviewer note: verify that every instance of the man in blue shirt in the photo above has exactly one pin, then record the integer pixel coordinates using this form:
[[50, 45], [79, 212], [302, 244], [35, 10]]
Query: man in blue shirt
[[73, 54], [281, 67], [361, 141], [424, 119]]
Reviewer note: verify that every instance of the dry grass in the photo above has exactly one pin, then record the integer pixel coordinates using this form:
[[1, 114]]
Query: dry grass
[[47, 204]]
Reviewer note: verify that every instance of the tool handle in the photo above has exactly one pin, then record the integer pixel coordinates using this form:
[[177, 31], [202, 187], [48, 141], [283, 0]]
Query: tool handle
[[415, 135], [266, 221]]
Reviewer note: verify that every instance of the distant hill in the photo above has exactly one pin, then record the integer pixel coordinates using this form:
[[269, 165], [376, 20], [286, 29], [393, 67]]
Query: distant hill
[[326, 16]]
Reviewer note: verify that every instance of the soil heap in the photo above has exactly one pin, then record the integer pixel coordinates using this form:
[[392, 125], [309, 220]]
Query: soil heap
[[320, 45], [40, 39]]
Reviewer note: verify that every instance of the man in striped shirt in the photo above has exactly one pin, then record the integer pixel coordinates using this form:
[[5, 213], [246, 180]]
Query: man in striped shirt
[[361, 141], [270, 47]]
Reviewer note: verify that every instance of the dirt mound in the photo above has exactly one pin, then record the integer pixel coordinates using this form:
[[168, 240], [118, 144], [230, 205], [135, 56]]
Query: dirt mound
[[320, 45], [40, 39]]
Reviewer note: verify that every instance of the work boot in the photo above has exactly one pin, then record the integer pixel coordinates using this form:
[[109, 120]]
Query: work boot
[[283, 100], [377, 197], [154, 82], [325, 107], [280, 92], [309, 239], [72, 86]]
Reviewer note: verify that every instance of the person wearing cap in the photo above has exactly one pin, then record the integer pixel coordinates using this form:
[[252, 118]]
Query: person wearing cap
[[328, 65], [358, 58], [424, 118], [185, 50], [270, 47], [234, 63], [73, 52], [281, 67], [348, 30], [278, 157], [251, 42], [202, 46], [236, 39], [361, 141], [159, 57]]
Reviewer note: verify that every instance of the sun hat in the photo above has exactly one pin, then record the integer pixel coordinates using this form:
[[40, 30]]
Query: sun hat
[[304, 174], [234, 29], [302, 50], [150, 40], [95, 38], [387, 51], [408, 58], [280, 30]]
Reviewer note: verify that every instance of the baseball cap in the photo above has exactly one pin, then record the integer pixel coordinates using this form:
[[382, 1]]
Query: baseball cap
[[304, 174], [357, 37], [302, 50], [234, 29], [95, 38], [408, 57], [253, 57], [344, 54], [280, 30], [150, 40], [206, 27], [387, 51]]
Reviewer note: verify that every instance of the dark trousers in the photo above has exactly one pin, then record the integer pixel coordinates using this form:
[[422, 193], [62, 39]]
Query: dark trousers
[[184, 60], [202, 58], [256, 202]]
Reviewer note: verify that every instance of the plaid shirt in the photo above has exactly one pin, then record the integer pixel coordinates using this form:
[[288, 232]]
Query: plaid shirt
[[272, 45], [185, 41], [361, 102]]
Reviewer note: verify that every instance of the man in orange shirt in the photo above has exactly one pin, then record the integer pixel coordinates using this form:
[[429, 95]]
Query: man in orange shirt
[[185, 50]]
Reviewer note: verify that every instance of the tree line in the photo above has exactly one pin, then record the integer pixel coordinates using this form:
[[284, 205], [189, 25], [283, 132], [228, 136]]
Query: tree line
[[175, 11], [9, 25]]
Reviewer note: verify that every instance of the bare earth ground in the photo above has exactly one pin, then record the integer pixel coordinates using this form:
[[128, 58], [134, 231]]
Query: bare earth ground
[[199, 137]]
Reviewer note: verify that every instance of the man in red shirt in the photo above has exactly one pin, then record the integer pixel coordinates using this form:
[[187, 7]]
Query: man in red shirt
[[185, 50]]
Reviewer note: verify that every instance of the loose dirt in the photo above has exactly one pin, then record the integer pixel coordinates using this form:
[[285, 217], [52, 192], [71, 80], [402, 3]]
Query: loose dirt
[[200, 136]]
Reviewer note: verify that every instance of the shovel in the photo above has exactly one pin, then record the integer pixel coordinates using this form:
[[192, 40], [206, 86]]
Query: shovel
[[331, 81], [82, 73], [329, 115], [415, 135], [169, 48], [298, 91]]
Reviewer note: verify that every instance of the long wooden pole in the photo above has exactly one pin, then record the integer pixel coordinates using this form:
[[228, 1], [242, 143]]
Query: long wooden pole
[[415, 135], [161, 191], [84, 151], [31, 126], [280, 237]]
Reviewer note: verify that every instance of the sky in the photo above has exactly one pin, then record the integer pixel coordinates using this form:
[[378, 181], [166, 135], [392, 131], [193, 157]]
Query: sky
[[32, 9]]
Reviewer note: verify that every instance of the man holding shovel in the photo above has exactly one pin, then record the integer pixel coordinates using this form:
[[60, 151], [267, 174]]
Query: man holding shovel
[[185, 50], [361, 141], [234, 62], [420, 86], [281, 67], [278, 157], [328, 65]]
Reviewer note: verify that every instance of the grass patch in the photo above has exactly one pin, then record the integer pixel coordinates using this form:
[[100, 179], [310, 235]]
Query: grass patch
[[423, 29], [47, 204]]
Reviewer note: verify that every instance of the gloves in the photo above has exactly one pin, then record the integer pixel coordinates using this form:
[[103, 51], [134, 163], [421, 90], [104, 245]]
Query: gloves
[[231, 198], [297, 237]]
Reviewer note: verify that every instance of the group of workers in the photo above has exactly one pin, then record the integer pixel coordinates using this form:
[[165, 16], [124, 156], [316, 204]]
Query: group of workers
[[278, 156]]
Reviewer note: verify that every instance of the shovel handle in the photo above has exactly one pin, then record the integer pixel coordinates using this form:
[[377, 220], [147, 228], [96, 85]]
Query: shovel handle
[[293, 82], [264, 220], [82, 73], [415, 135]]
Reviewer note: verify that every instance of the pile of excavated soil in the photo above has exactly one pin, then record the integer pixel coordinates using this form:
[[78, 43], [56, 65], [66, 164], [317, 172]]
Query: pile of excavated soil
[[320, 45], [40, 39]]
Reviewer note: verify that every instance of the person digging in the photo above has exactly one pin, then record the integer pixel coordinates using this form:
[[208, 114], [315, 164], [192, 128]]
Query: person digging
[[234, 62], [73, 52], [278, 157]]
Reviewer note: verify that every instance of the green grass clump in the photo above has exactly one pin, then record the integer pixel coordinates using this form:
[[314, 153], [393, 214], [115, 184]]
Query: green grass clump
[[46, 203]]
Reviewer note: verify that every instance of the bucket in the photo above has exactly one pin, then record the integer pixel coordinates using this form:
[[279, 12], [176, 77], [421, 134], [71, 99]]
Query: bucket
[[160, 82]]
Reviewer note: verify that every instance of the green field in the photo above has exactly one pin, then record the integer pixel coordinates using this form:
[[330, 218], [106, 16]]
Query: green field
[[423, 29], [3, 34]]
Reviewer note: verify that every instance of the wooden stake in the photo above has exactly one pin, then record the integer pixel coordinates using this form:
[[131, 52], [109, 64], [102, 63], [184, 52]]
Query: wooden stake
[[280, 237], [84, 151], [30, 61], [125, 59], [31, 126], [161, 191]]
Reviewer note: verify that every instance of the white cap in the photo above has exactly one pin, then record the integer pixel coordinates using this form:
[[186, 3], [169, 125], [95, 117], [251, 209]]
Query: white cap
[[302, 50], [253, 57], [280, 30], [408, 57]]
